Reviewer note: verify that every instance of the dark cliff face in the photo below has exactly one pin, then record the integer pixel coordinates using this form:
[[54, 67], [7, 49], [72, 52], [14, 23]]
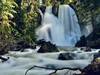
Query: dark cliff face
[[42, 8], [55, 10], [93, 40], [82, 42]]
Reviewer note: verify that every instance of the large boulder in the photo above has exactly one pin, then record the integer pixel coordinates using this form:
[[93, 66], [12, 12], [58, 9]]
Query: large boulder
[[46, 47]]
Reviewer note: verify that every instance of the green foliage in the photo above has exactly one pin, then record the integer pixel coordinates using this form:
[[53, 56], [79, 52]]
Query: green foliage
[[87, 11], [18, 22], [6, 14], [29, 20]]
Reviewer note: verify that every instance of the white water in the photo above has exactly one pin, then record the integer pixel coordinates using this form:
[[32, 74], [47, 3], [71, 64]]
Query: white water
[[19, 62], [62, 31]]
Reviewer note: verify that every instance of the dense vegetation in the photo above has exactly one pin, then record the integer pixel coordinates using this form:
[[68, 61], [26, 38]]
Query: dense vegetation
[[19, 18]]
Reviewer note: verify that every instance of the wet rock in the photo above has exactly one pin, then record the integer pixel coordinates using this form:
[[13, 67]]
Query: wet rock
[[46, 47], [66, 56], [92, 69], [82, 42], [86, 49], [97, 55], [4, 58]]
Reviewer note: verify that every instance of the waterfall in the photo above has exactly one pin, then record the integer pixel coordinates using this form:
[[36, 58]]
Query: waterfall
[[63, 30]]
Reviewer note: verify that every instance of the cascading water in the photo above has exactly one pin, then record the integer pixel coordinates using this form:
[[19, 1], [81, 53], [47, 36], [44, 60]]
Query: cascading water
[[63, 30]]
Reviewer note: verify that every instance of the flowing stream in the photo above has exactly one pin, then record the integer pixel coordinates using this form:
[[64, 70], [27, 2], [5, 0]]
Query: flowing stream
[[19, 62]]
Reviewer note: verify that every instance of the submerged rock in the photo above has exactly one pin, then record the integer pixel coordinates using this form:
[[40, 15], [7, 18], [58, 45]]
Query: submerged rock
[[66, 56]]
